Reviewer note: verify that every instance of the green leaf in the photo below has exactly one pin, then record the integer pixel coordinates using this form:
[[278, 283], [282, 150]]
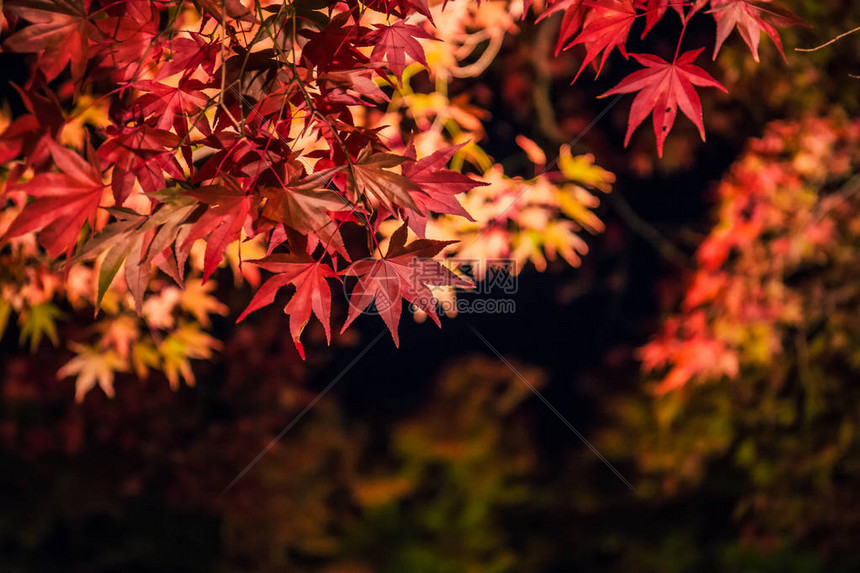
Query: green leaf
[[38, 322]]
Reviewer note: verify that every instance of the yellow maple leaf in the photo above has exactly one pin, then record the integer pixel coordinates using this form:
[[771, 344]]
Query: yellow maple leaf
[[197, 301], [92, 366], [583, 170], [186, 343]]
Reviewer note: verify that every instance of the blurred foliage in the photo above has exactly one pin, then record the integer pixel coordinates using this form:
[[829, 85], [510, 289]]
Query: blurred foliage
[[462, 482], [425, 496], [757, 367]]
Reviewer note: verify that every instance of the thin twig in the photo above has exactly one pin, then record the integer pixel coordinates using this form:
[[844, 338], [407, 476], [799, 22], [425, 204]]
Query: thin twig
[[824, 45]]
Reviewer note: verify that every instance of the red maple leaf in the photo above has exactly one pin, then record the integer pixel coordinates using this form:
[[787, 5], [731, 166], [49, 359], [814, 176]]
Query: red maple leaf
[[164, 102], [189, 54], [369, 177], [25, 134], [404, 273], [140, 153], [663, 88], [305, 205], [128, 34], [571, 21], [332, 48], [391, 44], [313, 293], [751, 19], [606, 27], [222, 222], [439, 187], [59, 33], [63, 202]]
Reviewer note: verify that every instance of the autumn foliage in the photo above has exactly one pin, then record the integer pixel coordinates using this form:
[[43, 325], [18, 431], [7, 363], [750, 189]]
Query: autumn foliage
[[751, 374], [314, 140]]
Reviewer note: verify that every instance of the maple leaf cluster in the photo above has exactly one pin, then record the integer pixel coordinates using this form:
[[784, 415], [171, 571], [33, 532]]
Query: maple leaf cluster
[[664, 85], [775, 264], [163, 138], [227, 122]]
